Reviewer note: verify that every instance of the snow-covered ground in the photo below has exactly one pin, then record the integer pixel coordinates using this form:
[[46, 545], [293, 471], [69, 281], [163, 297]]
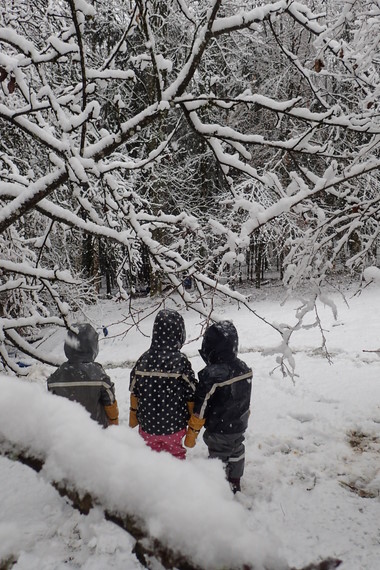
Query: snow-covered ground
[[312, 483]]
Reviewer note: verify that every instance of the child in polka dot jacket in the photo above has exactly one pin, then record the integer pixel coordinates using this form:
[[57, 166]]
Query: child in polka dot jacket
[[162, 387]]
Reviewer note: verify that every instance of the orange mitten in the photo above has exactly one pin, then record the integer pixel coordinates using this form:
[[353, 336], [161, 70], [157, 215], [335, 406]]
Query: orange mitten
[[194, 427], [133, 421], [190, 407], [112, 412]]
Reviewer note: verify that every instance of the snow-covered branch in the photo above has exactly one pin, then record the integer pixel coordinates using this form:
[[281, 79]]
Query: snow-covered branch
[[162, 140]]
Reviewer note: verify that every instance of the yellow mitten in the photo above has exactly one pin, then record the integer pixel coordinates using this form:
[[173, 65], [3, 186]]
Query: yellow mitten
[[112, 412], [194, 427], [133, 421]]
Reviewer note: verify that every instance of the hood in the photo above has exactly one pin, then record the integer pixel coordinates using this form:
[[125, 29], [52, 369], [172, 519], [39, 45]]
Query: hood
[[168, 330], [220, 343], [81, 343]]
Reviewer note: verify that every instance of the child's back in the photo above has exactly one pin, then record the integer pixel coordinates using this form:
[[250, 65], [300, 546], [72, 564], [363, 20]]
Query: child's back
[[82, 380], [222, 400], [225, 383], [162, 384]]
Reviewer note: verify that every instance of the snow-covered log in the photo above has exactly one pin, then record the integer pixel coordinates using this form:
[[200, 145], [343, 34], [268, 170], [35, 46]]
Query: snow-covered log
[[180, 513]]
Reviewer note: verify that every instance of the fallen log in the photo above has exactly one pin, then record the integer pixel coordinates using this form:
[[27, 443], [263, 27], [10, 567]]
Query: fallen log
[[112, 470], [147, 550]]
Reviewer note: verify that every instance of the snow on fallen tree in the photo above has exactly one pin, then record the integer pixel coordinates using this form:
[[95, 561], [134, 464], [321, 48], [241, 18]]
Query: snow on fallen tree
[[186, 506], [180, 513]]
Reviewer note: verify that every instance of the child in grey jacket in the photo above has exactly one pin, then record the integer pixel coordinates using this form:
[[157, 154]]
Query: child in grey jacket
[[82, 380]]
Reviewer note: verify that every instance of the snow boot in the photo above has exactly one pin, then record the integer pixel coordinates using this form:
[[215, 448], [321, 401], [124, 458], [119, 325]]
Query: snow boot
[[234, 484]]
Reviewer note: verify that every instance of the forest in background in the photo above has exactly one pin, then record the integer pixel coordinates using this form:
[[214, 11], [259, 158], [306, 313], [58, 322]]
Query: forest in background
[[184, 147]]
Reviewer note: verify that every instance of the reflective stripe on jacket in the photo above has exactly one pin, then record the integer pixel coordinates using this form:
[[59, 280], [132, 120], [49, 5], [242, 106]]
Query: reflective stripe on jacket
[[80, 379], [223, 396], [86, 383], [163, 379], [223, 393]]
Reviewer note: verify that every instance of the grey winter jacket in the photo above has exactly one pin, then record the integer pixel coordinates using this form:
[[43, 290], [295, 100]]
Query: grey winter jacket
[[163, 379], [223, 392], [80, 378]]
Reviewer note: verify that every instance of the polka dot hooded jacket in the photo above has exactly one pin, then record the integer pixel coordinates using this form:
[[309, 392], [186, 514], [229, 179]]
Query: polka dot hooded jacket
[[162, 379]]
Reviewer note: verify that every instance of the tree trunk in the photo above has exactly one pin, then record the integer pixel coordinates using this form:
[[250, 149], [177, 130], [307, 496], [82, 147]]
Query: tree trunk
[[147, 550]]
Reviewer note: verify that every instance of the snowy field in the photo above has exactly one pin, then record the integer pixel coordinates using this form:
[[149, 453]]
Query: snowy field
[[312, 483]]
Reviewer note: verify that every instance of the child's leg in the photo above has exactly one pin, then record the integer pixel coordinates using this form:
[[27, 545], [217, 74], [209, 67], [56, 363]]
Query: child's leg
[[153, 441], [236, 460], [173, 444], [230, 449]]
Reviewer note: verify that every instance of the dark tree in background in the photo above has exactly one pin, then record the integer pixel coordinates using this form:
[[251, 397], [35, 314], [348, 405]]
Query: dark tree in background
[[144, 142]]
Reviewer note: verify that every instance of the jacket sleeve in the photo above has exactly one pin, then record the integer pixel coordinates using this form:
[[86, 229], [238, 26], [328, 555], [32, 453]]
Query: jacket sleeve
[[133, 409], [108, 399], [133, 384], [133, 400], [189, 379], [203, 392], [107, 393]]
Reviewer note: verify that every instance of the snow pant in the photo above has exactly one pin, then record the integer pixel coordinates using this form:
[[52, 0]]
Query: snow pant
[[172, 443], [230, 449]]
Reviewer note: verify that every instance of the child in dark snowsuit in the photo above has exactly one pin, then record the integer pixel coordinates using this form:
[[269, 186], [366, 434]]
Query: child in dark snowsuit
[[222, 400], [162, 387], [82, 380]]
